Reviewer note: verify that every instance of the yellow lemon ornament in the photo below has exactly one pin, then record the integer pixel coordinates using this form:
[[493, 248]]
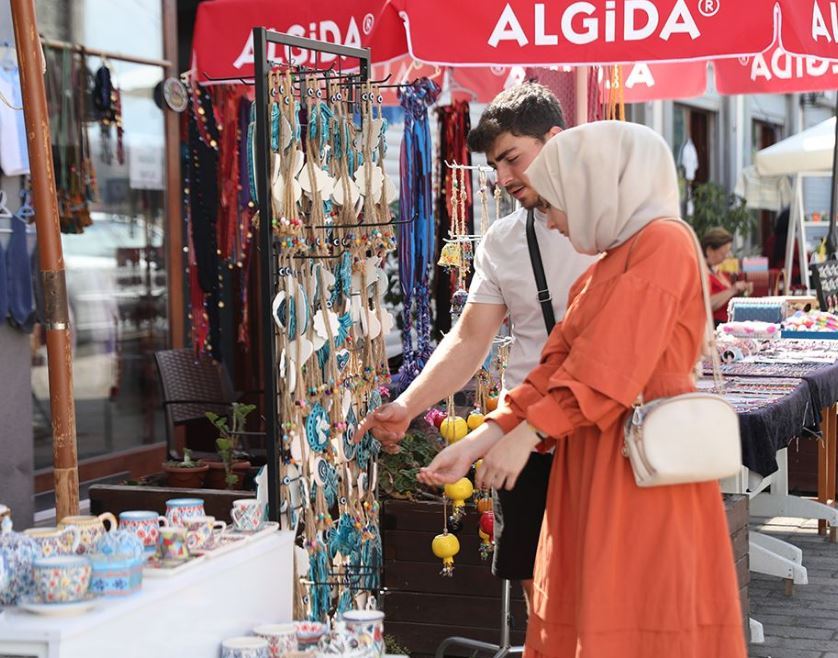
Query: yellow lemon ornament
[[453, 429]]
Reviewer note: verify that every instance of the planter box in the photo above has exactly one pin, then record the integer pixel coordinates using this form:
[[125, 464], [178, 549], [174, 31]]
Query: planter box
[[121, 498], [423, 608]]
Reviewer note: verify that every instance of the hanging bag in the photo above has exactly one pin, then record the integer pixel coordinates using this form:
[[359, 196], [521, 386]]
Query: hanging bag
[[685, 438]]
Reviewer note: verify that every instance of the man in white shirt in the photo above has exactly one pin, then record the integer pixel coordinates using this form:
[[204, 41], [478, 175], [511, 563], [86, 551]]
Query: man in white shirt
[[511, 132]]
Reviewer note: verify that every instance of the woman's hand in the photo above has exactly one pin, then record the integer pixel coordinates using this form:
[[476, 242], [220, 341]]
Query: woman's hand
[[454, 461], [741, 286], [505, 461]]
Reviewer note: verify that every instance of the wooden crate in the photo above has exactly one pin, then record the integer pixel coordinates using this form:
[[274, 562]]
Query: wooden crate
[[423, 608]]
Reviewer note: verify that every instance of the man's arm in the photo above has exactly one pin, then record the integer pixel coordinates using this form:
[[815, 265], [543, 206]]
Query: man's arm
[[452, 364]]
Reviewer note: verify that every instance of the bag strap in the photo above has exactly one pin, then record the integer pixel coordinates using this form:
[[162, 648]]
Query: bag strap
[[709, 328], [544, 296]]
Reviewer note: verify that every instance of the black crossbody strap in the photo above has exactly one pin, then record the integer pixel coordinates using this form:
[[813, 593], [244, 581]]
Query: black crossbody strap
[[544, 296]]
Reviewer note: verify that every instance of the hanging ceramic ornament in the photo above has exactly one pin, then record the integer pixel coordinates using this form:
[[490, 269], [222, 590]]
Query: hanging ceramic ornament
[[376, 176], [387, 322], [345, 190], [475, 419], [321, 332], [453, 428], [487, 535], [388, 188], [458, 492], [451, 255], [278, 183], [363, 484], [297, 447], [288, 373], [370, 271], [445, 546], [326, 477], [318, 428], [300, 350], [342, 359], [370, 324], [346, 405], [348, 447], [286, 133], [323, 182]]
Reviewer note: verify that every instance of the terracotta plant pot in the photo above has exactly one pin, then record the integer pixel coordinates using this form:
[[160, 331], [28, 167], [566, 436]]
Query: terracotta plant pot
[[186, 478], [216, 475]]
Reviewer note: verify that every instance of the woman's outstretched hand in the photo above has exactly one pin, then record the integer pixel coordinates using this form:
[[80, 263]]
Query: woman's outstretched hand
[[504, 462], [454, 461]]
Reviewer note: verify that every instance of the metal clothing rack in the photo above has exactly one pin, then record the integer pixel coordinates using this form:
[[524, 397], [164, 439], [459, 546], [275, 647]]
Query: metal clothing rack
[[268, 261]]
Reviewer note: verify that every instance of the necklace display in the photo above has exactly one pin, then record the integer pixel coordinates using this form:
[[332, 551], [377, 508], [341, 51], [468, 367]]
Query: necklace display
[[332, 228]]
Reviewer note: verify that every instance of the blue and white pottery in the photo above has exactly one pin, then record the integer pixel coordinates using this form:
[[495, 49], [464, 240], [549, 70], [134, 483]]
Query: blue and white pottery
[[245, 647], [117, 563], [4, 574], [61, 579], [18, 553], [180, 509]]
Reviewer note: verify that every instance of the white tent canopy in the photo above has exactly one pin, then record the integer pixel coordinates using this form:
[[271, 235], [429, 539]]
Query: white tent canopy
[[810, 150]]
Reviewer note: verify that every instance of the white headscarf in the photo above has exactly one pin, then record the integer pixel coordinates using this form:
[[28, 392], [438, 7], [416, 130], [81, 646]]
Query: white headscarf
[[611, 178]]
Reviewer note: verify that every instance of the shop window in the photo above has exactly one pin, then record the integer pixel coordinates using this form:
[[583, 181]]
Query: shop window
[[116, 284]]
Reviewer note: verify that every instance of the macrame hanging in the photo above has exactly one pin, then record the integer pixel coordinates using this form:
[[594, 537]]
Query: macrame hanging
[[417, 233]]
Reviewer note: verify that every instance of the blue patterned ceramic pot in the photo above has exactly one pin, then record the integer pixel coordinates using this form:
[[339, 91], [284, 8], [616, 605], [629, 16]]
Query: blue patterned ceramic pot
[[180, 509], [18, 552]]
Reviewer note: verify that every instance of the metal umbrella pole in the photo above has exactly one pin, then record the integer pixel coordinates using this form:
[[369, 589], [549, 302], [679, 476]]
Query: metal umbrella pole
[[503, 648]]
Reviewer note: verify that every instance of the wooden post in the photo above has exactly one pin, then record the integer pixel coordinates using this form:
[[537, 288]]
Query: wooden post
[[51, 259]]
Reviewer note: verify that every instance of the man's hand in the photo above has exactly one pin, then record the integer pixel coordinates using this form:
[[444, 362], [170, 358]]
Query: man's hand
[[388, 424], [504, 462]]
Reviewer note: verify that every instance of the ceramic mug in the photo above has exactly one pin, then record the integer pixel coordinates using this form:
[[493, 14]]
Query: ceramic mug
[[180, 509], [18, 551], [56, 541], [248, 514], [368, 626], [281, 638], [144, 525], [245, 647], [92, 528], [61, 579], [199, 530], [173, 543]]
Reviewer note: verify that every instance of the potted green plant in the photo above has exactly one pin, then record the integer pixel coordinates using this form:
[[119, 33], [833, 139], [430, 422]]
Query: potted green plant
[[185, 474], [714, 206], [230, 471]]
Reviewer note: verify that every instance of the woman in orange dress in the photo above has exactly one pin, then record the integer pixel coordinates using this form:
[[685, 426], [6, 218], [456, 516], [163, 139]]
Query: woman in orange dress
[[621, 572]]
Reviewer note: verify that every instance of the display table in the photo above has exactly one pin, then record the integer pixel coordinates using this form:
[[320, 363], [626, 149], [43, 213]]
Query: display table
[[188, 614]]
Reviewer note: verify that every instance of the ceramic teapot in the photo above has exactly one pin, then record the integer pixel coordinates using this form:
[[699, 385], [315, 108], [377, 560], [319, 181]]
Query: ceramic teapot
[[17, 552]]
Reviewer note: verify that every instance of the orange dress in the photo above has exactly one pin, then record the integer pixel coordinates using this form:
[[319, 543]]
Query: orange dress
[[625, 572]]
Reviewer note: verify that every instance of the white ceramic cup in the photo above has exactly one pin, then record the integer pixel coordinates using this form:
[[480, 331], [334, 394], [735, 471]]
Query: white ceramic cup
[[245, 647]]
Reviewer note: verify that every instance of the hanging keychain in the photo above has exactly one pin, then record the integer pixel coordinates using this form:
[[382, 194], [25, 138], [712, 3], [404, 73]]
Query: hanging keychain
[[446, 545]]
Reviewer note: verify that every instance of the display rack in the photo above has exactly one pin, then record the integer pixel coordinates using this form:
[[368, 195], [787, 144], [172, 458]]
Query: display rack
[[268, 260]]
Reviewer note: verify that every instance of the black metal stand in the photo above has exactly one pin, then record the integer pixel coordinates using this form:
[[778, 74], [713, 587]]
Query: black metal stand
[[500, 650], [268, 250]]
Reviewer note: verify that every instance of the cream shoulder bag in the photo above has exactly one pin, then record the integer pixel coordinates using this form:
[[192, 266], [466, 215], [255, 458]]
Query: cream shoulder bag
[[686, 438]]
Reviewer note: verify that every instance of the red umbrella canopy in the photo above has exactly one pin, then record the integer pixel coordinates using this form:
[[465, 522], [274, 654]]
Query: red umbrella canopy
[[223, 38], [508, 32]]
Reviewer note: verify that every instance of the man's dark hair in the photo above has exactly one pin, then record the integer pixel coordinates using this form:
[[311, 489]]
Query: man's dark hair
[[529, 109]]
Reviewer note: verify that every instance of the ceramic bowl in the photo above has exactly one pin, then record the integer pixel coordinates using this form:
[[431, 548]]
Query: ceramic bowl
[[282, 638], [245, 647]]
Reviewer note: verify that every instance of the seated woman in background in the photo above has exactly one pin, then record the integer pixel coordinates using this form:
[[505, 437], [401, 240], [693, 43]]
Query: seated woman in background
[[716, 244]]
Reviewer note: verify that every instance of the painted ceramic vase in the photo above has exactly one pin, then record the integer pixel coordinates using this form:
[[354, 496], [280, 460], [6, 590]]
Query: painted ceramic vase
[[117, 561], [56, 541], [281, 638], [145, 526], [245, 647], [92, 528], [342, 642], [18, 552], [180, 509], [61, 579], [368, 625], [248, 514]]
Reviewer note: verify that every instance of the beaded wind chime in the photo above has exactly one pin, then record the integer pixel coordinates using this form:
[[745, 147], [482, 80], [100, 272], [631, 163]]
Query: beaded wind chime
[[330, 199], [457, 255]]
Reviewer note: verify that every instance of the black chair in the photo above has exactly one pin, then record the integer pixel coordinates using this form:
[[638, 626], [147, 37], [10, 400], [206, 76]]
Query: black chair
[[191, 385]]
